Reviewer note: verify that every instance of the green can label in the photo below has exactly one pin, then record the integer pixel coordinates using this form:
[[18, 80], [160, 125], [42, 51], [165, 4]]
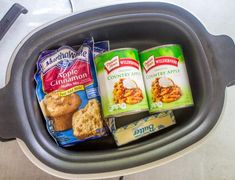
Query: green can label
[[166, 78], [121, 84]]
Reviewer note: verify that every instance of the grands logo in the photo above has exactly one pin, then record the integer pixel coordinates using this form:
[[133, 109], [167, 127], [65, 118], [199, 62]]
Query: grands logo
[[63, 58]]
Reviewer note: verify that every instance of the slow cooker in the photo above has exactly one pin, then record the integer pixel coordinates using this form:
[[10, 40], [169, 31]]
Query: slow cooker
[[210, 63]]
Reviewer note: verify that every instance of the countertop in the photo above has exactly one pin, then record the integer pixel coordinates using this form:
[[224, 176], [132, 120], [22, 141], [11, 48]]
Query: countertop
[[213, 160]]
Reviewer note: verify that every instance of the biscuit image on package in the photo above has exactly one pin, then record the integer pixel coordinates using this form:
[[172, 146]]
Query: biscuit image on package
[[87, 122], [165, 90], [60, 109], [127, 91]]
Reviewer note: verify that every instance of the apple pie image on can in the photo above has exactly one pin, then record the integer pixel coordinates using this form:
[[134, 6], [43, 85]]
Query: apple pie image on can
[[165, 90], [127, 91], [121, 84], [165, 77]]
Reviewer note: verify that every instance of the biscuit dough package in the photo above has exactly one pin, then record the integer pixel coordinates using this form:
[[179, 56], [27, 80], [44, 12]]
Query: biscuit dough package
[[67, 92]]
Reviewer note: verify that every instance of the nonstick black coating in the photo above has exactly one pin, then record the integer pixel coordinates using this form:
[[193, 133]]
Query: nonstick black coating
[[138, 25]]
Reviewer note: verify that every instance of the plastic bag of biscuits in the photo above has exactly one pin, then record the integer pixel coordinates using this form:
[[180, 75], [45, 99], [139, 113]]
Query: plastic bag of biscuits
[[67, 91]]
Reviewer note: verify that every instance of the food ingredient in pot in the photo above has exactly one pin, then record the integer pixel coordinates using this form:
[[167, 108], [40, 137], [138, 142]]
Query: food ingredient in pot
[[166, 79], [121, 83], [140, 128], [66, 88]]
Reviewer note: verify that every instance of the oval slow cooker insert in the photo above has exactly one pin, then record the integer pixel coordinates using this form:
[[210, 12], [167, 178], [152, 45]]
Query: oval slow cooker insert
[[210, 64]]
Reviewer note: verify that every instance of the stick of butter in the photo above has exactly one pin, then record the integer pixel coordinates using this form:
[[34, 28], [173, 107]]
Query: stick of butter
[[140, 128]]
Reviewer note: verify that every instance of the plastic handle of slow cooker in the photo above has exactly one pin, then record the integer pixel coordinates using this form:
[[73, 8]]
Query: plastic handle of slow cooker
[[9, 128], [12, 14], [225, 56], [7, 116]]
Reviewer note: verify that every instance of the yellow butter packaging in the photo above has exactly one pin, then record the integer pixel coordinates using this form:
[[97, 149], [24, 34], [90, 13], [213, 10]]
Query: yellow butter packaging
[[140, 128]]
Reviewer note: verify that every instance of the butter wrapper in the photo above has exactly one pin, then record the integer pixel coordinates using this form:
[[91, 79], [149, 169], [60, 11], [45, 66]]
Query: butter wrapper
[[140, 128]]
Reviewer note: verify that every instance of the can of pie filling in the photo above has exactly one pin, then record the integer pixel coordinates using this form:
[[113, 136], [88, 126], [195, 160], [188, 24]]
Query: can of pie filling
[[121, 84], [166, 79]]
